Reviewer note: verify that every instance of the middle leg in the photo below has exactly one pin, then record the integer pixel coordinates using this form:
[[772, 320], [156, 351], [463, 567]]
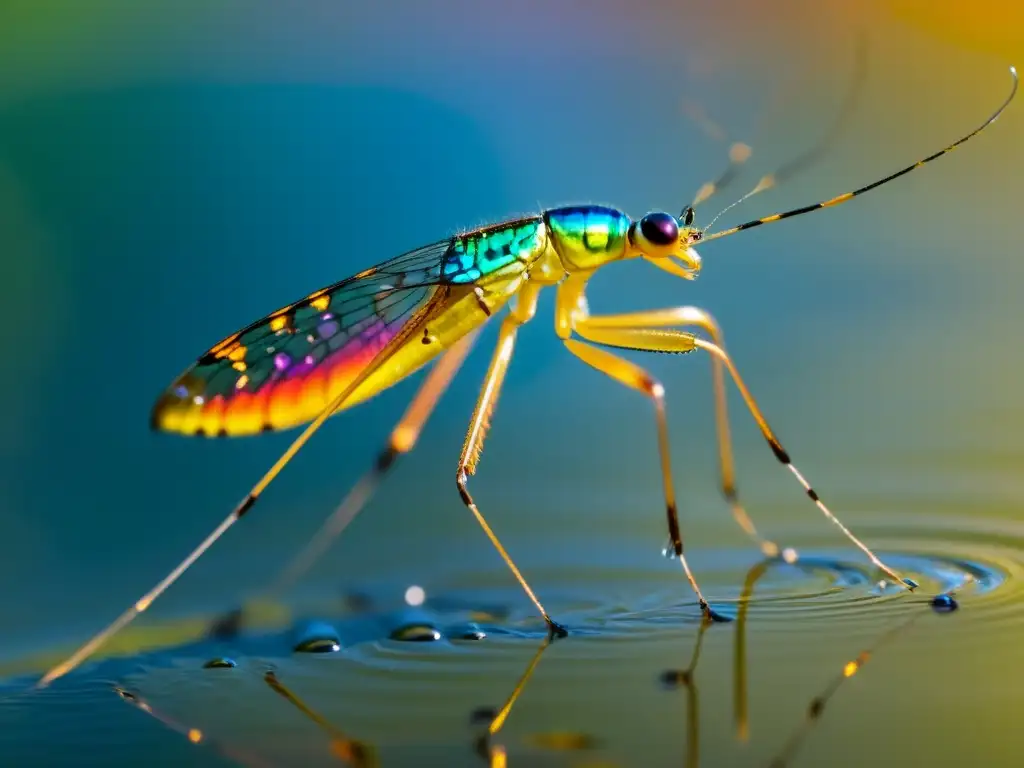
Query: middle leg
[[635, 377]]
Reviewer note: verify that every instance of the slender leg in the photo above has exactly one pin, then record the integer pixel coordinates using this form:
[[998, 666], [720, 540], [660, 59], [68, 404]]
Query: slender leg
[[661, 340], [403, 439], [411, 330], [521, 313], [637, 378], [692, 316]]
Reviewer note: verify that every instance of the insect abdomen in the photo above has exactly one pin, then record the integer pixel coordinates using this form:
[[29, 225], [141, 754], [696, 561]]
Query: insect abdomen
[[490, 250], [587, 236]]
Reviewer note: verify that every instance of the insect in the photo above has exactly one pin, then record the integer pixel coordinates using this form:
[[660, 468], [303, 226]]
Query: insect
[[341, 345]]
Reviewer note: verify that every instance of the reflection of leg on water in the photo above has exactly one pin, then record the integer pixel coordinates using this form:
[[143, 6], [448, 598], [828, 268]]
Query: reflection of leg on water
[[194, 735], [817, 706], [685, 678], [355, 753], [494, 754]]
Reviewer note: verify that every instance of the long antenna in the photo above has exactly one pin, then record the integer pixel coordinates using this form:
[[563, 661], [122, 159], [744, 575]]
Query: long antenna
[[846, 196]]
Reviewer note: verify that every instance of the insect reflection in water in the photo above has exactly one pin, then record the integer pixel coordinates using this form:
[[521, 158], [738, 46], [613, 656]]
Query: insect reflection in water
[[494, 751]]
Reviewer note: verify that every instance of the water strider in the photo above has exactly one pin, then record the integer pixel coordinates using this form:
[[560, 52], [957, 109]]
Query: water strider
[[343, 344]]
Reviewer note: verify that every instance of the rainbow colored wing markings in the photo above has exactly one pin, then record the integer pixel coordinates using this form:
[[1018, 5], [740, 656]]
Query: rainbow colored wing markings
[[283, 370]]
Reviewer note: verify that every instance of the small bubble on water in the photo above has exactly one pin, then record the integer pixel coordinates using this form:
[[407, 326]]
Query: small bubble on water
[[944, 604], [473, 634], [416, 633], [790, 555], [220, 663], [415, 595]]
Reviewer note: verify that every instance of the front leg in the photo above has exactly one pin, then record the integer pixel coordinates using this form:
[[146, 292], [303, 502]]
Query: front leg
[[595, 328], [610, 331]]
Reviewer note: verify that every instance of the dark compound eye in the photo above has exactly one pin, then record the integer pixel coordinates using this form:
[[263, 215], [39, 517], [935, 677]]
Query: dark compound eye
[[659, 228], [687, 216]]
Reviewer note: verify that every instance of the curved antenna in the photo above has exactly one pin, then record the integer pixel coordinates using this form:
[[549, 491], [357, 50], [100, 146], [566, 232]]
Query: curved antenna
[[846, 196], [739, 152], [808, 158]]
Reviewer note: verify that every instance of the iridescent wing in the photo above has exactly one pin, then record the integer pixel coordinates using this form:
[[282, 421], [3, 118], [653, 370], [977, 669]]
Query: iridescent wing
[[283, 370]]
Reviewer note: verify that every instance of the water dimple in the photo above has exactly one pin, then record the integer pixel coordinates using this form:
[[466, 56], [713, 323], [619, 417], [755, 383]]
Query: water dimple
[[221, 662], [316, 637], [416, 633]]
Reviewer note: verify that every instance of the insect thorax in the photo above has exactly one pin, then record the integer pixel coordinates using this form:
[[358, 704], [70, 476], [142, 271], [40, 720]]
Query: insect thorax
[[587, 236], [503, 248]]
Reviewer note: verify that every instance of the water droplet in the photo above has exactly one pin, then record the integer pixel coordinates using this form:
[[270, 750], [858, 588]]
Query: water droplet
[[317, 637], [473, 634], [415, 595], [944, 603], [482, 715], [220, 663], [181, 391], [282, 361], [318, 645], [416, 633], [669, 551]]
